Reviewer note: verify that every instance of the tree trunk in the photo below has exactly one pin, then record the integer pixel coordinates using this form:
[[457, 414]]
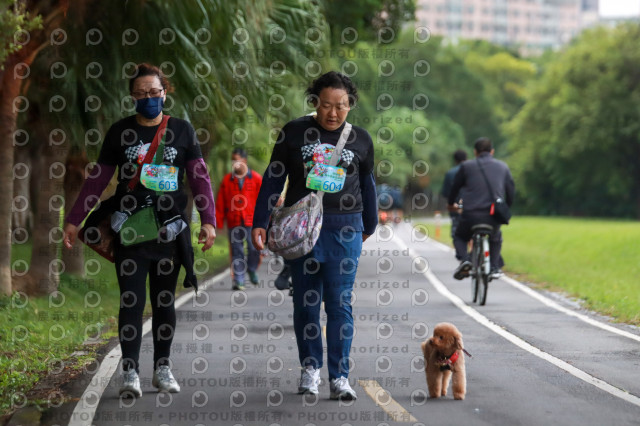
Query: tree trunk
[[45, 267], [9, 90], [10, 87], [73, 260], [22, 216]]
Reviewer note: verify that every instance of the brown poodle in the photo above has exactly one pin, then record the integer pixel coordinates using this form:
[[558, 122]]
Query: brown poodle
[[444, 357]]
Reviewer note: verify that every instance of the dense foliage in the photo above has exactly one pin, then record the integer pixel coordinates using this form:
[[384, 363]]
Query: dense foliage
[[576, 142]]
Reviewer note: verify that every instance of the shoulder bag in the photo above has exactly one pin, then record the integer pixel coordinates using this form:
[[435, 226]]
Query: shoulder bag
[[98, 233], [499, 208], [142, 225], [294, 230]]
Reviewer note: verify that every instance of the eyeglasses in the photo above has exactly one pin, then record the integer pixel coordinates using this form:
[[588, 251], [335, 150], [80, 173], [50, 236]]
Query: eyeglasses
[[154, 93]]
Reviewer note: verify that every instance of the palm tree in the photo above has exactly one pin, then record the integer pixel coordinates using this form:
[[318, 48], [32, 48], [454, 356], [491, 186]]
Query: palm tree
[[216, 52], [15, 65]]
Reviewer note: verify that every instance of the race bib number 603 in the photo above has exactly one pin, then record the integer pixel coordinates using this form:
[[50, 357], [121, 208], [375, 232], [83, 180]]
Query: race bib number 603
[[159, 177]]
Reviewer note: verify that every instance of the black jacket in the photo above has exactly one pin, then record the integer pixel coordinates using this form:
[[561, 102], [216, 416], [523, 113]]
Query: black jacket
[[471, 187]]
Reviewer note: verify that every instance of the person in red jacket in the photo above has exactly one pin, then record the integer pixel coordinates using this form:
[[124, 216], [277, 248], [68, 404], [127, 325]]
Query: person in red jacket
[[236, 202]]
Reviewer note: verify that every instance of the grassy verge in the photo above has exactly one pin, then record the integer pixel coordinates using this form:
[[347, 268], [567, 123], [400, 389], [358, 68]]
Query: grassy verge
[[38, 335], [593, 260]]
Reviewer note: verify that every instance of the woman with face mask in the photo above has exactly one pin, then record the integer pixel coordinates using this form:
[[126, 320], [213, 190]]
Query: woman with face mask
[[151, 152]]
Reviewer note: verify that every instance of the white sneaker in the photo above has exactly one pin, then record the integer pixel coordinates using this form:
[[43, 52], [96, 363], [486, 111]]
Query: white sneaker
[[496, 274], [131, 383], [309, 381], [340, 389], [164, 381]]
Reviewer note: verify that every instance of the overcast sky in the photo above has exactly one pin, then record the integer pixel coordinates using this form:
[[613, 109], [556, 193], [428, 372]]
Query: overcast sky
[[619, 7]]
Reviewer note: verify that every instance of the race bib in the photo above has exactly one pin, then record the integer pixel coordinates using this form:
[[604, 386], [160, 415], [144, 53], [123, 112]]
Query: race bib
[[159, 177], [323, 177], [326, 178]]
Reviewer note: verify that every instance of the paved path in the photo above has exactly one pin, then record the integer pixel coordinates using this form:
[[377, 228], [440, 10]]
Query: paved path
[[235, 355]]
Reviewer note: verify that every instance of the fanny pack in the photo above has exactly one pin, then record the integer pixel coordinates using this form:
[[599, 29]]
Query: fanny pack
[[140, 227]]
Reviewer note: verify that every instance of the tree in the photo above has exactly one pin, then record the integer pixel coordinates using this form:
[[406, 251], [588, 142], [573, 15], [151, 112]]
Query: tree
[[23, 36], [505, 78], [367, 20], [16, 26], [423, 95], [220, 58], [576, 142]]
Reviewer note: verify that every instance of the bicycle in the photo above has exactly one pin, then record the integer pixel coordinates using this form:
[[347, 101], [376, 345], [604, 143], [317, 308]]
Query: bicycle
[[480, 260]]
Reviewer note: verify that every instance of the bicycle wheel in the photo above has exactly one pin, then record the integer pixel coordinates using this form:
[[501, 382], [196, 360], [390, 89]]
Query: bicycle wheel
[[474, 286], [483, 281], [482, 288]]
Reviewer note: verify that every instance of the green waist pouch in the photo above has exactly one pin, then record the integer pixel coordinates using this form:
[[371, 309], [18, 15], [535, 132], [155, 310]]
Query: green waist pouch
[[141, 227]]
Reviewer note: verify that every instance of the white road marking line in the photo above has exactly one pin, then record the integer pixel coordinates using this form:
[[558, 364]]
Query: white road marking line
[[383, 399], [551, 303], [85, 409], [481, 319]]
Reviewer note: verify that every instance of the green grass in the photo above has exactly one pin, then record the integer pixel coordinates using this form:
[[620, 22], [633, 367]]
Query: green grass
[[595, 260], [35, 333]]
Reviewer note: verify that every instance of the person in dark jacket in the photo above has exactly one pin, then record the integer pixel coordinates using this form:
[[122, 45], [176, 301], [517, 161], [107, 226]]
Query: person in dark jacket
[[458, 157], [236, 202], [470, 186], [159, 192]]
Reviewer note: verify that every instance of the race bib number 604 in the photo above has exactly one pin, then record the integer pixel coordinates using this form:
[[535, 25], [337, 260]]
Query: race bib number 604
[[326, 178]]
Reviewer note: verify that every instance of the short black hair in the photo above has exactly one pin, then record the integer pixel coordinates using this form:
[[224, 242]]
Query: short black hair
[[239, 151], [143, 70], [334, 80], [459, 156], [482, 144]]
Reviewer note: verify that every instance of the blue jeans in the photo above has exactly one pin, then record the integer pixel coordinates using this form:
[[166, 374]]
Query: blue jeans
[[240, 265], [326, 274]]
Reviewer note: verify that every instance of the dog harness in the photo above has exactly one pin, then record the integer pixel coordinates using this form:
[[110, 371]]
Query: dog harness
[[447, 362]]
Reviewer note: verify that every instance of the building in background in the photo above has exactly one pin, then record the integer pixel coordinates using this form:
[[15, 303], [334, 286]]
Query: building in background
[[531, 25]]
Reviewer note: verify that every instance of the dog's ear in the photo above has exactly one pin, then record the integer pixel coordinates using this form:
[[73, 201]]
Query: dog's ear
[[457, 342], [426, 348]]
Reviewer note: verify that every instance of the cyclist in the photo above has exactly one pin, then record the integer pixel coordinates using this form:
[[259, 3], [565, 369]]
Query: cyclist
[[458, 157], [470, 185]]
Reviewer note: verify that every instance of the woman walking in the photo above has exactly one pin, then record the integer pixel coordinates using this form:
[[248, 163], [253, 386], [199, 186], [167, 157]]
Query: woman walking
[[328, 272], [151, 153]]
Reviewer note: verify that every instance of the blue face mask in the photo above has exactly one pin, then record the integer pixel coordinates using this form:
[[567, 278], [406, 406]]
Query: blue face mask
[[149, 107]]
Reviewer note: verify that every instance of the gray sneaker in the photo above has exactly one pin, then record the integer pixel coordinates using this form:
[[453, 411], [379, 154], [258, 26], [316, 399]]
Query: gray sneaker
[[131, 383], [164, 381], [309, 381], [340, 389]]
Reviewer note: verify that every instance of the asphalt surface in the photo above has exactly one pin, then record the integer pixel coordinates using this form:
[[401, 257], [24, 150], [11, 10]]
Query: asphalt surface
[[235, 355]]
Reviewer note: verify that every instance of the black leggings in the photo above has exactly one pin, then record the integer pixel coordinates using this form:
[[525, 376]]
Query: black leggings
[[132, 274]]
